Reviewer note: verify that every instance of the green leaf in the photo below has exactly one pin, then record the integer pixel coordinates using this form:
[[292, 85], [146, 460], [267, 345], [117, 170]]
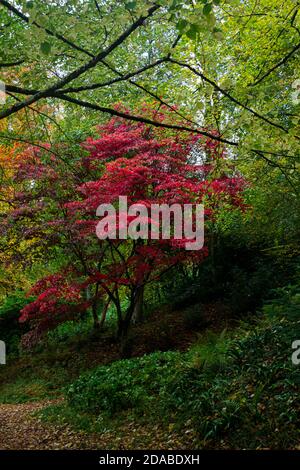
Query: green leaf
[[46, 47], [207, 9], [29, 4], [181, 25], [131, 5], [218, 34], [192, 32], [173, 6], [217, 2], [211, 19]]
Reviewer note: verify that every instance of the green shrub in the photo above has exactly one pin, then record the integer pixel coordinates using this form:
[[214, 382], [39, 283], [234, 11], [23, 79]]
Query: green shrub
[[126, 384], [70, 330], [10, 328], [211, 352], [238, 387]]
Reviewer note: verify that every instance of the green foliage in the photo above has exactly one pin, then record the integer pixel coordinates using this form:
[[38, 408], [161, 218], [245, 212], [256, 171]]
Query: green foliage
[[70, 331], [227, 387], [12, 305], [212, 352], [22, 391], [238, 389], [286, 306], [10, 329], [126, 384], [256, 387], [239, 275], [39, 376]]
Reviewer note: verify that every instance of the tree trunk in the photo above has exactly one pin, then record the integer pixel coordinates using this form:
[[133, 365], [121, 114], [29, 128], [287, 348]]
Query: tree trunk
[[134, 313], [95, 309], [125, 342], [137, 315], [95, 316], [104, 313]]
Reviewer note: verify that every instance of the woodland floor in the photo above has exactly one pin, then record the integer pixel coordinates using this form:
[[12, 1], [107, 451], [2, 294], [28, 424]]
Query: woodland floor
[[20, 429]]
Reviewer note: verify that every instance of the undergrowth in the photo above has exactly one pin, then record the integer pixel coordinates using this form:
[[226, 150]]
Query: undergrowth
[[237, 389]]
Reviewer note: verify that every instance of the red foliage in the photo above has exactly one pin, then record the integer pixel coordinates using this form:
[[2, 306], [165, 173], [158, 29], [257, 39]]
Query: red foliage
[[129, 159]]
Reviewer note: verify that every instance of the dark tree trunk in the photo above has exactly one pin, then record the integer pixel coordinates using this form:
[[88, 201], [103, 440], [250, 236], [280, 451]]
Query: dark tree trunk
[[133, 314], [137, 315], [95, 316], [95, 309], [104, 313]]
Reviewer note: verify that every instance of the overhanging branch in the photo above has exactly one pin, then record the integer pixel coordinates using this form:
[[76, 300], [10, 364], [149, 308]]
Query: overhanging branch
[[81, 70], [225, 93], [276, 66], [131, 117]]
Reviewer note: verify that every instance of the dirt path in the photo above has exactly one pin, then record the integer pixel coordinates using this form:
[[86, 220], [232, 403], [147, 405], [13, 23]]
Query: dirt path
[[19, 430]]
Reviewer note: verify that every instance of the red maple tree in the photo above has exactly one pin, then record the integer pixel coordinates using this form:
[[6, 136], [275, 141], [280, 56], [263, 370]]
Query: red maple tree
[[147, 165]]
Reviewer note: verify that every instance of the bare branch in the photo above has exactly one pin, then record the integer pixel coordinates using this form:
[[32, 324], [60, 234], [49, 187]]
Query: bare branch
[[98, 8]]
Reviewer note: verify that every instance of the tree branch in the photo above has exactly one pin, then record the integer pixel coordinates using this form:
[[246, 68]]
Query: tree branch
[[81, 70], [114, 112], [261, 153], [48, 31], [60, 95], [225, 93], [281, 62], [121, 78]]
